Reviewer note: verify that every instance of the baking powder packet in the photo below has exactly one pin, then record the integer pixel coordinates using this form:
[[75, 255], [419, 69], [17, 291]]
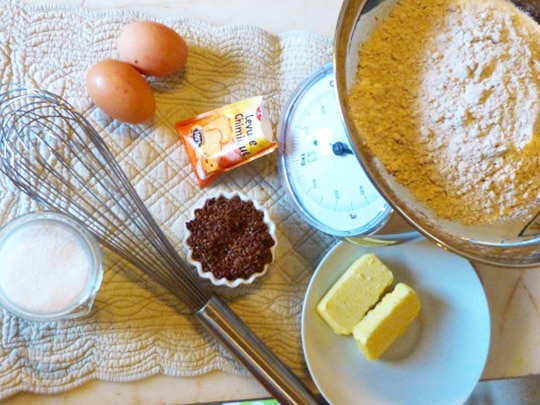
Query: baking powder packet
[[222, 139]]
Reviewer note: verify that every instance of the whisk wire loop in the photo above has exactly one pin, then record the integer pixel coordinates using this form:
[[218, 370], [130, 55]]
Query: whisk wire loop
[[54, 155]]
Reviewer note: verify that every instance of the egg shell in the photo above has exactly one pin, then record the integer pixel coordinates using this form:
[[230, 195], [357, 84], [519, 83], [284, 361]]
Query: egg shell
[[153, 48], [120, 91]]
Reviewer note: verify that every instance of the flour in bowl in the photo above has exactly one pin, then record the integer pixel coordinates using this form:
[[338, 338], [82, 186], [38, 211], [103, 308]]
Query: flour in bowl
[[448, 98]]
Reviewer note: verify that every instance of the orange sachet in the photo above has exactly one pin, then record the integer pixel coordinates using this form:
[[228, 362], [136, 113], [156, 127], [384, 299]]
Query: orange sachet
[[225, 138]]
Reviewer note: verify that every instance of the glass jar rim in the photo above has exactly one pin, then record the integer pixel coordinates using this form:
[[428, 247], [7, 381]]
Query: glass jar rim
[[82, 304]]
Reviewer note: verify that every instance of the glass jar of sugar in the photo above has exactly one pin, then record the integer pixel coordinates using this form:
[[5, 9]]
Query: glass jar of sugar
[[51, 268]]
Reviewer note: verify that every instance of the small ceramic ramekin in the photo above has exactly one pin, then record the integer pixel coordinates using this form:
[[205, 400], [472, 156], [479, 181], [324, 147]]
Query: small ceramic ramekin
[[209, 275], [51, 267]]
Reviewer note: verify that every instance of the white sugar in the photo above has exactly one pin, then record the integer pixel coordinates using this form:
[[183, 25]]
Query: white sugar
[[44, 267]]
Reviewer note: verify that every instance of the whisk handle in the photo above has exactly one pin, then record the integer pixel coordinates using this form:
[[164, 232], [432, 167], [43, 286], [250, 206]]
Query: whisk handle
[[271, 372]]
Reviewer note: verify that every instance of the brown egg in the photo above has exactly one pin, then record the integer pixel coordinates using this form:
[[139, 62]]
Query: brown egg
[[153, 48], [120, 91]]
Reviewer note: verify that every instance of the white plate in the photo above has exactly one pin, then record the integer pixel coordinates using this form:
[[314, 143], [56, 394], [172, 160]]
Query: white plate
[[440, 358]]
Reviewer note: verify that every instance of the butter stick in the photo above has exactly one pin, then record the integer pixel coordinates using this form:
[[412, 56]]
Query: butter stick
[[354, 293], [383, 324]]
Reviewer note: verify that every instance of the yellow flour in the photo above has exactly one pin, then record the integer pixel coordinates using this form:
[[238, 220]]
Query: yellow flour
[[448, 98]]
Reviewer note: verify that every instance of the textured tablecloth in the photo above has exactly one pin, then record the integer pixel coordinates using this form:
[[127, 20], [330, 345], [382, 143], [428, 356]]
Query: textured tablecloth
[[134, 332]]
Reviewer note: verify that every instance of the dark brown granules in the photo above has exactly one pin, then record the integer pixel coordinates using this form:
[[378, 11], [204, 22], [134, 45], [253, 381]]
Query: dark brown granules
[[230, 238]]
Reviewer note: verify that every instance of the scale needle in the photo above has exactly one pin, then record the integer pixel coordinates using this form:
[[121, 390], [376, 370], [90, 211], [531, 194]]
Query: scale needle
[[339, 148]]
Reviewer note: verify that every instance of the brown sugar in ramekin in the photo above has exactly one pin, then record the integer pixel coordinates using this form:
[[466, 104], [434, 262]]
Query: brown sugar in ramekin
[[230, 239]]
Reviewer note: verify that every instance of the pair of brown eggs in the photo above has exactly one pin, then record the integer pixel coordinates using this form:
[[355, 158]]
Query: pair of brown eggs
[[119, 87]]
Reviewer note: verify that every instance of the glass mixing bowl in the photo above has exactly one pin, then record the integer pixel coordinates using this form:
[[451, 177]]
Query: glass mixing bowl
[[51, 267], [513, 243]]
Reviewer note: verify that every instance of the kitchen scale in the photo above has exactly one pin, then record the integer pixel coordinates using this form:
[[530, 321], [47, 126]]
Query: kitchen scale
[[320, 171]]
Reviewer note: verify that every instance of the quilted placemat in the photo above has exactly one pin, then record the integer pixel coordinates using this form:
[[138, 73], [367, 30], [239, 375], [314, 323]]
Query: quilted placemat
[[133, 331]]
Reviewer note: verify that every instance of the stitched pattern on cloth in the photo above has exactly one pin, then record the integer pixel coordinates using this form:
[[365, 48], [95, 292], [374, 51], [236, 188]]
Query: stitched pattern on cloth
[[136, 331]]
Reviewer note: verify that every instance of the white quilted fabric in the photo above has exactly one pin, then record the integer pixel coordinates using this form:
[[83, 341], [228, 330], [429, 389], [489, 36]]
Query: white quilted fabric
[[134, 332]]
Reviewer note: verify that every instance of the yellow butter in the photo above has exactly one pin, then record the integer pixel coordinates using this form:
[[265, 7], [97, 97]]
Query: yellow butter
[[383, 324], [354, 293]]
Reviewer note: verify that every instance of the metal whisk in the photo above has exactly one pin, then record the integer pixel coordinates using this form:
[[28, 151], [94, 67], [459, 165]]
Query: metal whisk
[[54, 155]]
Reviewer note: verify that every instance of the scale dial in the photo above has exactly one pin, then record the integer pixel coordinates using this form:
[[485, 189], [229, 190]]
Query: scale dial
[[319, 169]]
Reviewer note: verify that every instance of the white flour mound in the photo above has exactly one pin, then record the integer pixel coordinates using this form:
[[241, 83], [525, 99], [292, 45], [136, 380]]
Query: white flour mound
[[448, 98]]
